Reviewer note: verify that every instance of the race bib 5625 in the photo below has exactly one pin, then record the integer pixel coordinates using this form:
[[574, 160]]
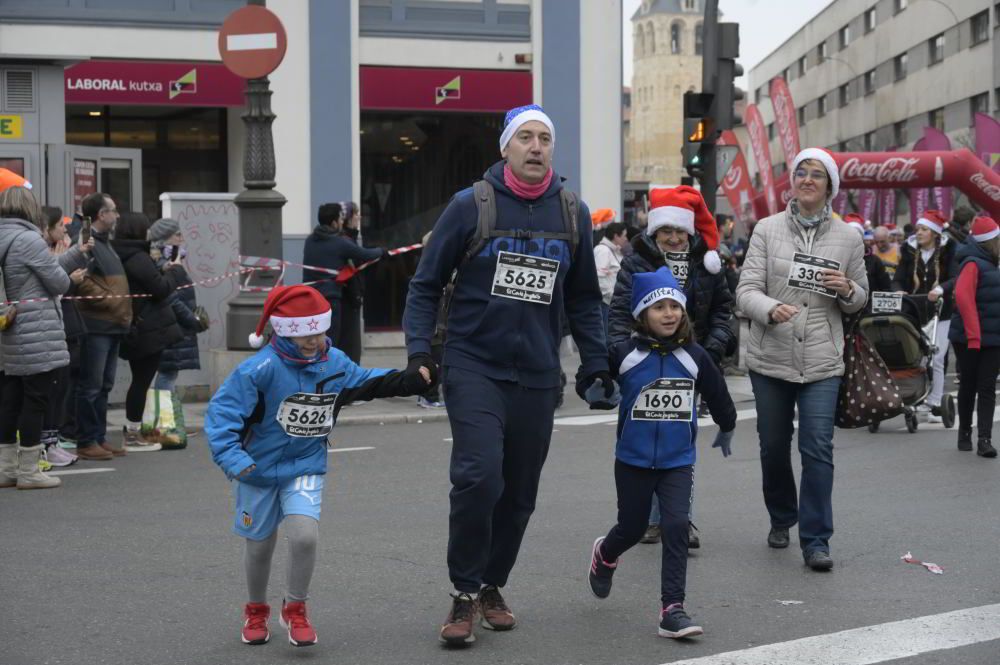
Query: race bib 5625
[[524, 277]]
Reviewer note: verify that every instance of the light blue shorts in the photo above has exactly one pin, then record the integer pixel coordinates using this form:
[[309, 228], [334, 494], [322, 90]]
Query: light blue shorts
[[259, 510]]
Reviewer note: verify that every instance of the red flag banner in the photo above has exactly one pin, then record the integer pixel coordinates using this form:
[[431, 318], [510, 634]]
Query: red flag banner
[[761, 155], [784, 119], [736, 182], [866, 203]]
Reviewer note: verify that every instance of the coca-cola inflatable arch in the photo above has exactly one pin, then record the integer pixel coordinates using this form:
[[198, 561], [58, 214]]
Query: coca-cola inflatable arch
[[911, 170]]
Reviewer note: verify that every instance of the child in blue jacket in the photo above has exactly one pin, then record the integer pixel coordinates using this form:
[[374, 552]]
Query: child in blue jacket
[[661, 371], [267, 427]]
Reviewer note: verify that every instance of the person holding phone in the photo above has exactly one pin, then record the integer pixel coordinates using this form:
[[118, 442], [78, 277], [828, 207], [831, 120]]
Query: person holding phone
[[167, 249]]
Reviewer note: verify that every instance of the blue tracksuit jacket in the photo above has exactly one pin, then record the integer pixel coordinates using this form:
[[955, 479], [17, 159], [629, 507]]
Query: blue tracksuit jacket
[[665, 444], [498, 337], [242, 419]]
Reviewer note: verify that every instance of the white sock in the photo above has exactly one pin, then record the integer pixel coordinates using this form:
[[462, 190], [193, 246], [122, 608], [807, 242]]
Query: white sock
[[133, 427]]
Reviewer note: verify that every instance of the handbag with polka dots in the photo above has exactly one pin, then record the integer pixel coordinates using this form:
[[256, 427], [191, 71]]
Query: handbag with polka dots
[[868, 393]]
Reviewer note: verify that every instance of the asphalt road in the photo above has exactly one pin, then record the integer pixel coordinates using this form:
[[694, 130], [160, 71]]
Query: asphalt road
[[137, 564]]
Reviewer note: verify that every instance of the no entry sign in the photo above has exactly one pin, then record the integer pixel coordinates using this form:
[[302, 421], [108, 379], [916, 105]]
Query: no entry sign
[[252, 42]]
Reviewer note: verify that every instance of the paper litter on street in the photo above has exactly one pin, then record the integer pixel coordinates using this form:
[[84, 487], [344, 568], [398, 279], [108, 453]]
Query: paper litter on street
[[933, 567]]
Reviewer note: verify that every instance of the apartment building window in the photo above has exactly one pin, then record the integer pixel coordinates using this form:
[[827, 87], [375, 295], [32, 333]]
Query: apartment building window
[[757, 95], [869, 141], [935, 119], [802, 115], [936, 47], [699, 38], [870, 20], [845, 36], [784, 73], [870, 81], [899, 65], [675, 38], [899, 133], [844, 93], [980, 27], [979, 104], [821, 107], [803, 65], [770, 131], [901, 5], [690, 5], [821, 51]]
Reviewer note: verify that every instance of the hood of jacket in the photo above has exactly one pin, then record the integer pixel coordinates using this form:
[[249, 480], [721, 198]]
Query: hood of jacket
[[126, 249], [324, 232], [10, 228], [970, 249], [494, 176]]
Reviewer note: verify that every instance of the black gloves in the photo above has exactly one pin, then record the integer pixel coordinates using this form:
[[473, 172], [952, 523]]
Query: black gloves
[[599, 390], [412, 381]]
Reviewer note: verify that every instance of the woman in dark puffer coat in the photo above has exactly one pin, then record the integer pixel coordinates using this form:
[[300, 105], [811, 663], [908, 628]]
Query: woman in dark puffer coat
[[165, 239], [678, 220], [154, 324]]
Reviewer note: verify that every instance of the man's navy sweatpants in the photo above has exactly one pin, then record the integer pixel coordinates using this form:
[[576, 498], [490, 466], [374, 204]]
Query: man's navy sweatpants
[[501, 433]]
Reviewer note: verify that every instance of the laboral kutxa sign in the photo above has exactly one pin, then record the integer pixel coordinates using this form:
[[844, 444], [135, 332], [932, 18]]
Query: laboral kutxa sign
[[153, 83]]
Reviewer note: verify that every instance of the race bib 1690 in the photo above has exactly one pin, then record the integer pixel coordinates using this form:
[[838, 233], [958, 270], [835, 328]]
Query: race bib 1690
[[665, 399]]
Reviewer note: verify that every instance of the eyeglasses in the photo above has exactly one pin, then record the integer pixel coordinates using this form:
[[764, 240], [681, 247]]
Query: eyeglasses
[[801, 174]]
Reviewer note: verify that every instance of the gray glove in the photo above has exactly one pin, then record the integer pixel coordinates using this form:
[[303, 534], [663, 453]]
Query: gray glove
[[724, 440]]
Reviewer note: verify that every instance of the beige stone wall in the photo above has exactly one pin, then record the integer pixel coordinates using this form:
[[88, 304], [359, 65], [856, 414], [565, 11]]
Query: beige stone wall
[[660, 79]]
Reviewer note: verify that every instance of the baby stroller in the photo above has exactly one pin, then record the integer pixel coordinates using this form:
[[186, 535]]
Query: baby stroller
[[906, 338]]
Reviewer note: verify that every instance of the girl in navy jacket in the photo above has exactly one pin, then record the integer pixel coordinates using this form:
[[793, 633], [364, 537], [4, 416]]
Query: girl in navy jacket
[[662, 372]]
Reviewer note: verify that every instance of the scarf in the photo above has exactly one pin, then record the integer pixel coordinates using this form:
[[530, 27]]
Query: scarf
[[286, 348], [809, 222], [522, 189]]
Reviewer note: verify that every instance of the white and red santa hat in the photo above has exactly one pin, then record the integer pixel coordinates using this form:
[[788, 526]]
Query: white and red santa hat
[[934, 220], [683, 208], [983, 229], [856, 222], [293, 311]]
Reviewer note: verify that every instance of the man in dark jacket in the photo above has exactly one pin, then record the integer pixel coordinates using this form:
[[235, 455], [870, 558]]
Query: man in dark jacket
[[501, 356], [327, 248], [107, 320]]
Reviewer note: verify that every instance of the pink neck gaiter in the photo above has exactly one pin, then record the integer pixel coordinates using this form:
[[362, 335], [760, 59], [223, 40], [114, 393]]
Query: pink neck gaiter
[[523, 189]]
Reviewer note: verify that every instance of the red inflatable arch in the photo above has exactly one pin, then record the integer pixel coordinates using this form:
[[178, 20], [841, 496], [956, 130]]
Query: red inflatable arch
[[906, 170]]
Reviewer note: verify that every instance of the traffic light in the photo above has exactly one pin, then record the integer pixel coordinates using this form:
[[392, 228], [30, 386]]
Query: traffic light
[[726, 73], [699, 132]]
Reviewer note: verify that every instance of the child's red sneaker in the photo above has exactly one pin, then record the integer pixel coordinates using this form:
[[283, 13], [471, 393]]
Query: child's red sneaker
[[255, 616], [300, 631]]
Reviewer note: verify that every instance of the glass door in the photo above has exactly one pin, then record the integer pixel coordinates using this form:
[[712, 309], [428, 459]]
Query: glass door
[[76, 171]]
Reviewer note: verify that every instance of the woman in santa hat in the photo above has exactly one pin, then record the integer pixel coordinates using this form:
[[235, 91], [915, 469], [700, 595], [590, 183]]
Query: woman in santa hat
[[803, 271], [975, 332], [681, 234], [925, 268], [267, 427]]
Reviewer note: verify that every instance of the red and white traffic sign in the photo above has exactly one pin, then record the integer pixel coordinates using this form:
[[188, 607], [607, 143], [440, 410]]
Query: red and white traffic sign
[[252, 42]]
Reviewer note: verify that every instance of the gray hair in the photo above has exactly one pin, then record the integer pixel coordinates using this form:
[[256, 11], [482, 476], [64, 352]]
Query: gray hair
[[20, 203]]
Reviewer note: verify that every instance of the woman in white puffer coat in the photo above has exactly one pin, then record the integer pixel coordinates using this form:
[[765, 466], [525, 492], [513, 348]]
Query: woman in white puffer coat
[[803, 271]]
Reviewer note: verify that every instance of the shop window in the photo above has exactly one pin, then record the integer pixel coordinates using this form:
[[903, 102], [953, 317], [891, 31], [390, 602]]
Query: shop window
[[133, 132], [14, 164], [411, 166]]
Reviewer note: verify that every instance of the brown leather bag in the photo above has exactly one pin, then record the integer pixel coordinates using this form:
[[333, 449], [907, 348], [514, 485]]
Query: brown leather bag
[[868, 393]]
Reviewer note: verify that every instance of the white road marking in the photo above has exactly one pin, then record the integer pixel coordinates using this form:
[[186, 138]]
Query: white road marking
[[252, 42], [612, 419], [350, 450], [78, 472], [872, 644]]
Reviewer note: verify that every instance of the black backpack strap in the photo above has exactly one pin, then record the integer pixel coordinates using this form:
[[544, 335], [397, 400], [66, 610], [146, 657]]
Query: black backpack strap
[[486, 207], [571, 211]]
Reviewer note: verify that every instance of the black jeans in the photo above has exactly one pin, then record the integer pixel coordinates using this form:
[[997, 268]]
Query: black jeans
[[23, 404], [978, 371], [350, 329], [62, 409], [143, 371], [336, 313], [636, 488]]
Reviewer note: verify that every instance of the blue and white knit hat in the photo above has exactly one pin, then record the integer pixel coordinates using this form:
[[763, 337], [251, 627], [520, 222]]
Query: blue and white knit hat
[[651, 287], [520, 115]]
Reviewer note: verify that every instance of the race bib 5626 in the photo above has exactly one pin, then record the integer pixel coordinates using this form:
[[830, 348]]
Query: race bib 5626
[[307, 414]]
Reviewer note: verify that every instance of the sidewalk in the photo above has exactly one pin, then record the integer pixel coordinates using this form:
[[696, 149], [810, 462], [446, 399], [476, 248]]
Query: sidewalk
[[401, 410]]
